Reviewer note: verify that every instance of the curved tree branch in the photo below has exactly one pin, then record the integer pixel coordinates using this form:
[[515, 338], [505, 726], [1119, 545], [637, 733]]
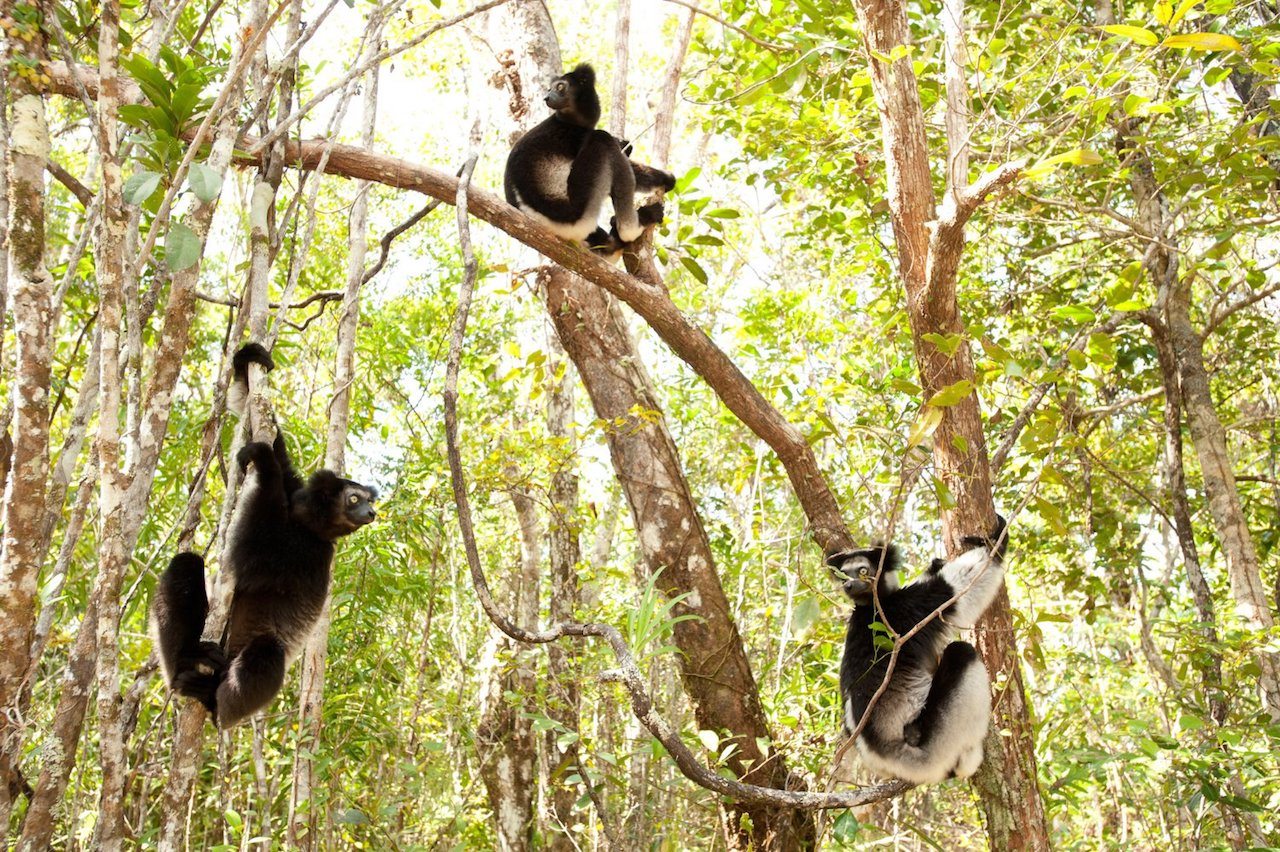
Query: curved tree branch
[[648, 298]]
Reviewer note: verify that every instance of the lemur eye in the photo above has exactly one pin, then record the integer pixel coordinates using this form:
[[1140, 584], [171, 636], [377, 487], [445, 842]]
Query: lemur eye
[[560, 87], [353, 499], [862, 572]]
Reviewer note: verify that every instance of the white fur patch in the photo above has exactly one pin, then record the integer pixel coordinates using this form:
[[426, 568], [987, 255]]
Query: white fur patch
[[977, 576], [957, 745]]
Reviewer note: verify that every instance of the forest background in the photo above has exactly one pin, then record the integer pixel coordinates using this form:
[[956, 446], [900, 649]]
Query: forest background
[[923, 260]]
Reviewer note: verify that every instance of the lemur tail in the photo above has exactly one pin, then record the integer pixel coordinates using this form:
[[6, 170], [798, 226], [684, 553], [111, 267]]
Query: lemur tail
[[238, 393], [945, 740]]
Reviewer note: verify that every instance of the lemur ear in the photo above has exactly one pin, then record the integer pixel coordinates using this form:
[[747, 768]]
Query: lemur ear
[[837, 559]]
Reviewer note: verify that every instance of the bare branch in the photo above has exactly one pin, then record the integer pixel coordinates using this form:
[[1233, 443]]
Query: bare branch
[[385, 244], [82, 193]]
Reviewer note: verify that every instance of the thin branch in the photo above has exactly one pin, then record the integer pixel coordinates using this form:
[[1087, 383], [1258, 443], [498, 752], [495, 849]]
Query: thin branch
[[82, 193], [362, 68], [1220, 317], [386, 240]]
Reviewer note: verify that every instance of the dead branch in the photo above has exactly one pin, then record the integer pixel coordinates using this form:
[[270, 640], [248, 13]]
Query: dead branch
[[387, 238]]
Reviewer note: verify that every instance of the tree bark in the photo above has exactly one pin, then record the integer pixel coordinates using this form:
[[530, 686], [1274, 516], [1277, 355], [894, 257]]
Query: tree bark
[[565, 553], [929, 250], [112, 483], [22, 513]]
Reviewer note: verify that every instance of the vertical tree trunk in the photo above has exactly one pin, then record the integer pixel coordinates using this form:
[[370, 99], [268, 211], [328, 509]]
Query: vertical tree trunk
[[508, 747], [23, 505], [929, 249], [304, 813], [1173, 299], [562, 659], [524, 42], [111, 480], [714, 667]]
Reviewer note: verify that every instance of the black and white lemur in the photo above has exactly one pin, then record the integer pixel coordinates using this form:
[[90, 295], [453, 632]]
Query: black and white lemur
[[930, 722], [561, 171], [278, 553]]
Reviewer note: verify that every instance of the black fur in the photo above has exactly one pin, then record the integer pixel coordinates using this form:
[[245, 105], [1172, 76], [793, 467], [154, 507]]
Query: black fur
[[278, 554], [928, 723], [562, 170]]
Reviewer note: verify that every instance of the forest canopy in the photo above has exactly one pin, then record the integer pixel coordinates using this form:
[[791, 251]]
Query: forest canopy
[[923, 264]]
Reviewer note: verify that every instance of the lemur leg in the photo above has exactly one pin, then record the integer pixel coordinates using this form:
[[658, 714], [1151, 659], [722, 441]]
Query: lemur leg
[[255, 676], [594, 175], [953, 722], [178, 615]]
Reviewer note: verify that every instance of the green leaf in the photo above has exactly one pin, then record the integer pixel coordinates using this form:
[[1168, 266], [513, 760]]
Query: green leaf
[[846, 827], [352, 816], [1138, 34], [694, 269], [204, 182], [722, 213], [1074, 313], [139, 186], [1202, 41], [926, 424], [951, 394], [1074, 157], [947, 344], [181, 247]]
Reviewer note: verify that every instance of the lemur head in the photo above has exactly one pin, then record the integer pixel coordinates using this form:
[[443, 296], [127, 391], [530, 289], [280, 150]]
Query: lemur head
[[857, 571], [573, 97], [332, 506]]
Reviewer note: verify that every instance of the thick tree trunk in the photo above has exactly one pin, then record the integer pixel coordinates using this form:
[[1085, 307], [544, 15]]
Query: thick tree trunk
[[929, 250], [714, 668], [22, 513]]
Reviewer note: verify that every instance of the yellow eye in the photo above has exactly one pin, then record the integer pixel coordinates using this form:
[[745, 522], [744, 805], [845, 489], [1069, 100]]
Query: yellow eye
[[862, 573], [560, 87], [353, 499]]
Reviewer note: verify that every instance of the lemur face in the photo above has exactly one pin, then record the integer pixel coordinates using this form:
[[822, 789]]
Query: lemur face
[[857, 571]]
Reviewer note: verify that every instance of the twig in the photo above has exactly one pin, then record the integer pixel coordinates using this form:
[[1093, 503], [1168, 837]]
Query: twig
[[363, 67], [82, 193], [385, 243]]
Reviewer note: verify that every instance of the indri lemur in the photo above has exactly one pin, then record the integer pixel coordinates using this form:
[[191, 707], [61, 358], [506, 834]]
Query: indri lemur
[[278, 553], [561, 171], [930, 721]]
